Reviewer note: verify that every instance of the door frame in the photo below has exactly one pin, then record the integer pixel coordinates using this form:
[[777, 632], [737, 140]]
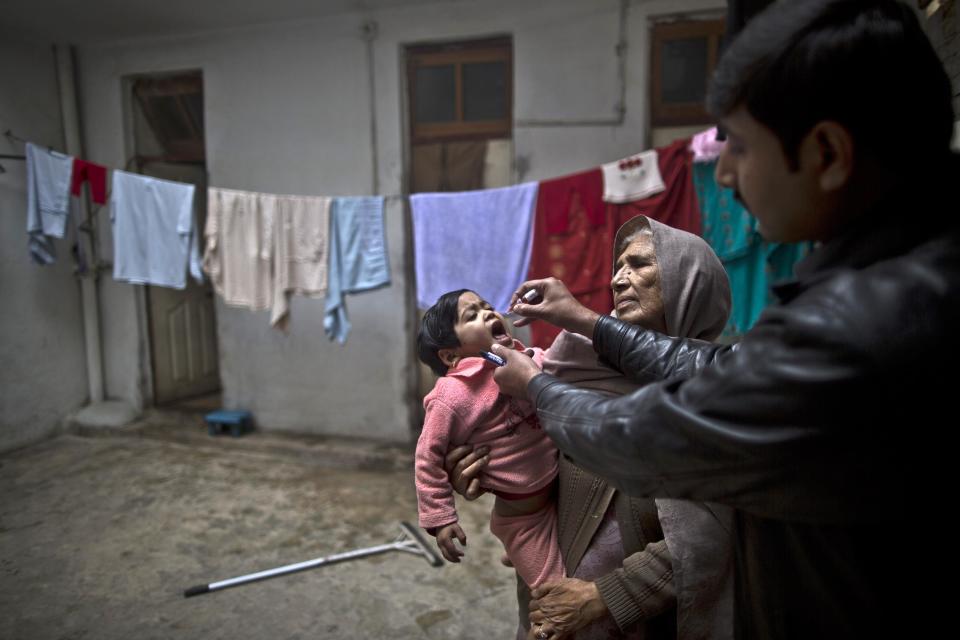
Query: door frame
[[146, 384]]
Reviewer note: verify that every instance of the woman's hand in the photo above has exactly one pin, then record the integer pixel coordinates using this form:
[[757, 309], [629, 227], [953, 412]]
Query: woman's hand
[[556, 305], [464, 465], [559, 609]]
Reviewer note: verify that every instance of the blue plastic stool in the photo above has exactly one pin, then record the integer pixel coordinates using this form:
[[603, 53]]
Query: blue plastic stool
[[238, 422]]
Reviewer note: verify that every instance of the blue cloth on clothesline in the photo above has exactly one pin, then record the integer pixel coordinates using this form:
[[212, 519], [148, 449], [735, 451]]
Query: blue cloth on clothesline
[[48, 199], [478, 240], [358, 259]]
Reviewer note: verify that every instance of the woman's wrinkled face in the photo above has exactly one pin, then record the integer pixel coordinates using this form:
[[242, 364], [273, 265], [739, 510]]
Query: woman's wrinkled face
[[637, 297]]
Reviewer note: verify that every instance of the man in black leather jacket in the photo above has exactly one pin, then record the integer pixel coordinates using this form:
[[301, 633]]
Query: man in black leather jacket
[[822, 427]]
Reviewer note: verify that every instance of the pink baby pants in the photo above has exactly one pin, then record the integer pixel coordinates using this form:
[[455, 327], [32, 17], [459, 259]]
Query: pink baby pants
[[531, 543]]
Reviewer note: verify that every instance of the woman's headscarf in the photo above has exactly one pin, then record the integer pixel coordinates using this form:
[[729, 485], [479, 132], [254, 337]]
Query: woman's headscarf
[[696, 304], [694, 285]]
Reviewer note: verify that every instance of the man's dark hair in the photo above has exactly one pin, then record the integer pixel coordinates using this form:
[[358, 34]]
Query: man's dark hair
[[437, 331], [866, 64]]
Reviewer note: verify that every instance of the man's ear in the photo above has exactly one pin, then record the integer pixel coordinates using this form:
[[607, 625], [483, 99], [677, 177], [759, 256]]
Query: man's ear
[[833, 147], [448, 356]]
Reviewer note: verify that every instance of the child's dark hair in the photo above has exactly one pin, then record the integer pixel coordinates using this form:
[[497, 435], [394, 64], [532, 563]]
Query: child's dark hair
[[437, 331]]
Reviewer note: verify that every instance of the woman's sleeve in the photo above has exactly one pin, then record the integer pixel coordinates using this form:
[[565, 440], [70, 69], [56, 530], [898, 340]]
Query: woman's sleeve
[[642, 588]]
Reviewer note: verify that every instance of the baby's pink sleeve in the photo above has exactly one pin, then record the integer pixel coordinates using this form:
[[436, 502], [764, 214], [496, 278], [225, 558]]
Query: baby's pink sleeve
[[435, 502]]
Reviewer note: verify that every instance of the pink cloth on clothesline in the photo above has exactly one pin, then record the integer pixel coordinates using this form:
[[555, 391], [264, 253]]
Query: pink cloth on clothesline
[[705, 146]]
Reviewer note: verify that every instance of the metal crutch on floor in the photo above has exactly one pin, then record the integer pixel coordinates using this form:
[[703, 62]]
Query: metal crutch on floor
[[409, 540]]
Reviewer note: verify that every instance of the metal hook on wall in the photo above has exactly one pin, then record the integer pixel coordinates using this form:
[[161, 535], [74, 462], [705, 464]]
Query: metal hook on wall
[[12, 138]]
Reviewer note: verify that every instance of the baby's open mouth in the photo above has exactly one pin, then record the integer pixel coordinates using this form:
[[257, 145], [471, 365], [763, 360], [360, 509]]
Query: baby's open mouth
[[499, 332]]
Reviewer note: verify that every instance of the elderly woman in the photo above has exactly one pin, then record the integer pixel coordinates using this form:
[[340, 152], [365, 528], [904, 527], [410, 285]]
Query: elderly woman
[[625, 570]]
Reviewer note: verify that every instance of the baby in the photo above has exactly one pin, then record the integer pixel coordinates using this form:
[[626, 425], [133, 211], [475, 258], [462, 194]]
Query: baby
[[466, 407]]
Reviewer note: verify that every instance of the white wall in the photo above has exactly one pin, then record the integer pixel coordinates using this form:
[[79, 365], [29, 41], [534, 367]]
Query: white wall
[[288, 111], [43, 377]]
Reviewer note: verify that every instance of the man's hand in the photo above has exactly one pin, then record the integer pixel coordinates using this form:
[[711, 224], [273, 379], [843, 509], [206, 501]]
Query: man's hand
[[557, 306], [560, 609], [463, 465], [445, 536], [513, 377]]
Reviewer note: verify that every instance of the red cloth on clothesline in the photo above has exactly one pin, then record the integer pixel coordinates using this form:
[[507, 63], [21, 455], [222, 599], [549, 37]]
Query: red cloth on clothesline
[[581, 253], [95, 174], [559, 198]]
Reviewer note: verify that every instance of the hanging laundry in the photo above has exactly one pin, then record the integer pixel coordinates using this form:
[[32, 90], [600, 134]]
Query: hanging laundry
[[95, 175], [581, 256], [676, 205], [559, 198], [752, 263], [154, 231], [632, 178], [48, 200], [239, 246], [300, 246], [478, 240], [705, 146], [358, 258]]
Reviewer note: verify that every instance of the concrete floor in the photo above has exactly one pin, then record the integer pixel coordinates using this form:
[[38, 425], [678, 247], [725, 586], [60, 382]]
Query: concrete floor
[[101, 532]]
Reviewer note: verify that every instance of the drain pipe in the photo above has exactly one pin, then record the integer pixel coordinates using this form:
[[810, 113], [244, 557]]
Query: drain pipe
[[620, 109], [88, 281], [368, 32]]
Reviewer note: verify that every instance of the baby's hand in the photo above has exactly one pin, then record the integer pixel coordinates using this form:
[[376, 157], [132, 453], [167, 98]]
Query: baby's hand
[[445, 536]]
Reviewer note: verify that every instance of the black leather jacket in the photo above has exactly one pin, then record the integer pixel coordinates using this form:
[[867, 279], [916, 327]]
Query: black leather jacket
[[820, 426]]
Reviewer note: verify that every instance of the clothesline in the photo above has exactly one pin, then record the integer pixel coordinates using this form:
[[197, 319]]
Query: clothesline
[[318, 246], [704, 146], [15, 138], [449, 229], [555, 227]]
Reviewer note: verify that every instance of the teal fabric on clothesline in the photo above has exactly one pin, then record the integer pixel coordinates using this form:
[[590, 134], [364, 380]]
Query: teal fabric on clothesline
[[752, 263]]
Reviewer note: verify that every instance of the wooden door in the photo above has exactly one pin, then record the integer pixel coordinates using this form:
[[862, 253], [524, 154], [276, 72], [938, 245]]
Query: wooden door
[[183, 332]]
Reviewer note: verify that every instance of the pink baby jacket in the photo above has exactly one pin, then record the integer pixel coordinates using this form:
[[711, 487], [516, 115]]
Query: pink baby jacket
[[466, 407]]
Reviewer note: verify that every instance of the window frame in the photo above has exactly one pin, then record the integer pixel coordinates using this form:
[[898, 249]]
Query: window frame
[[186, 150], [690, 113], [498, 49]]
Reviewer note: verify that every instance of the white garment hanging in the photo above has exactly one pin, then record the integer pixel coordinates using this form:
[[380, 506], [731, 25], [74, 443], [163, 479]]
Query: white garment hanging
[[154, 231], [633, 178]]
